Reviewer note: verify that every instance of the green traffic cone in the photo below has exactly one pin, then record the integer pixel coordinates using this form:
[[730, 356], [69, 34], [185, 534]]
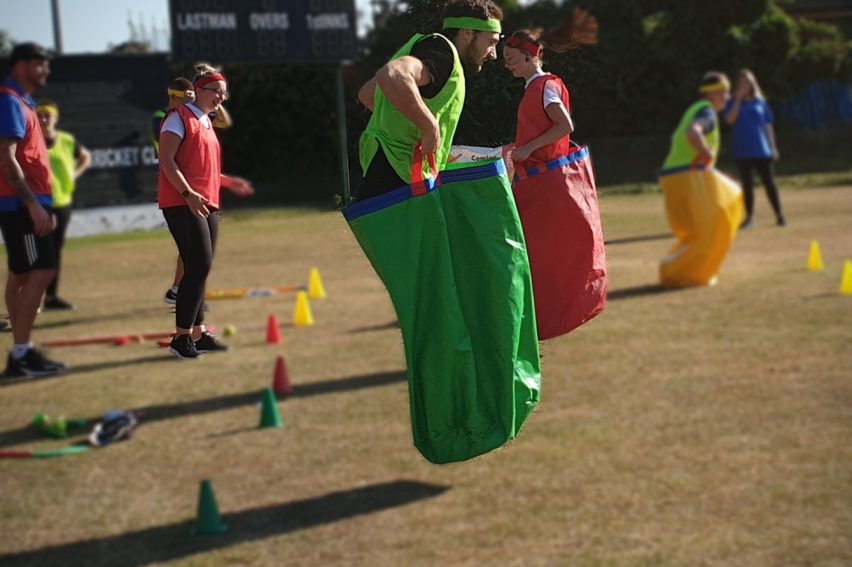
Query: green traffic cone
[[269, 416], [208, 521]]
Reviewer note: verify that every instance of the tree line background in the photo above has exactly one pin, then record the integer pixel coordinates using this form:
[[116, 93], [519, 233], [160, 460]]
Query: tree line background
[[627, 93]]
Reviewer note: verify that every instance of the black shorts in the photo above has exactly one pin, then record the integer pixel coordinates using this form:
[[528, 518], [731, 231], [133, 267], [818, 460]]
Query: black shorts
[[25, 250]]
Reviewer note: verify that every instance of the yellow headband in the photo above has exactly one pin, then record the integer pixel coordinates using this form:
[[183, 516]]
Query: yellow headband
[[179, 94], [723, 86], [48, 108]]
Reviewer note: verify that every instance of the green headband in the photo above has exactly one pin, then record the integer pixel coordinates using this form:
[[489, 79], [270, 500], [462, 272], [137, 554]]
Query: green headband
[[490, 25]]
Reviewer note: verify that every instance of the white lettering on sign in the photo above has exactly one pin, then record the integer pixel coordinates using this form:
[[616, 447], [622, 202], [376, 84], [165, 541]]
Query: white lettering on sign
[[117, 158], [269, 21], [328, 22], [149, 156], [207, 21]]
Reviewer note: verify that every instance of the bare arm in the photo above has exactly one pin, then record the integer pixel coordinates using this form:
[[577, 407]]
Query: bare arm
[[562, 126], [169, 143], [770, 133], [399, 81], [695, 137], [734, 112], [84, 160], [367, 93], [11, 171], [237, 185]]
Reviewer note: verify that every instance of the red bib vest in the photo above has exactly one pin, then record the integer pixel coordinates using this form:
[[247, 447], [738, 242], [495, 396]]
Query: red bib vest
[[31, 154], [199, 158], [533, 121]]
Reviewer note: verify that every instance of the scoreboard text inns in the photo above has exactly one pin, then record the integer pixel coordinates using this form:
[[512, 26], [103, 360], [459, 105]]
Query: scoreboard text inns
[[274, 31]]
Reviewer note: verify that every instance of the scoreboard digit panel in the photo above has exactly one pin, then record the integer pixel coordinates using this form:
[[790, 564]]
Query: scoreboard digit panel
[[263, 31]]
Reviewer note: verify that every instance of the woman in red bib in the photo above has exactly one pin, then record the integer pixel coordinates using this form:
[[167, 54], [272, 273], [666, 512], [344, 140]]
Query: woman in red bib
[[190, 179], [554, 186]]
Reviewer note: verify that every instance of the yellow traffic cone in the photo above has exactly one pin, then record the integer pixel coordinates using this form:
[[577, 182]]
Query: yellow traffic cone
[[315, 287], [815, 258], [302, 316], [846, 280]]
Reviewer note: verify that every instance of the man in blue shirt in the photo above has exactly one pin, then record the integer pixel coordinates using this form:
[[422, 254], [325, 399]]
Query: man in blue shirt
[[26, 199]]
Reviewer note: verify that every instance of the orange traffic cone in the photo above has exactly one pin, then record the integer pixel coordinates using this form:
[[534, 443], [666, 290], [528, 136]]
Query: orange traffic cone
[[273, 333], [280, 381]]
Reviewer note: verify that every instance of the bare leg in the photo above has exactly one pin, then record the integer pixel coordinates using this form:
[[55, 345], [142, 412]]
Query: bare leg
[[23, 297]]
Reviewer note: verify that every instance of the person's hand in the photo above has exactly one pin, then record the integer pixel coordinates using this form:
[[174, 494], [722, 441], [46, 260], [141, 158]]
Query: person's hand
[[197, 205], [43, 222], [743, 88], [776, 155], [705, 157], [431, 139], [521, 153], [240, 187]]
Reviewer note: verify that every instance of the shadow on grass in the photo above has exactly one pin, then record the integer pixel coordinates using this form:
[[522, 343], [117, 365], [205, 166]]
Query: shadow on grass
[[634, 239], [383, 327], [640, 291], [171, 411], [173, 541], [41, 323]]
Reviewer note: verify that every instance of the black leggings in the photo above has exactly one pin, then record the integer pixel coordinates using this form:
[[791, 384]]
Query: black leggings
[[63, 218], [196, 241], [764, 169]]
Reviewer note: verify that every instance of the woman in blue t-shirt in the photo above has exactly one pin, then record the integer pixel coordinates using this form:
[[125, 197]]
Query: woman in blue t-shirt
[[753, 142]]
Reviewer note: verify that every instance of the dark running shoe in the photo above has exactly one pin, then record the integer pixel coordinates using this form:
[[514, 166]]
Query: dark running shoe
[[33, 364], [208, 343], [183, 347], [170, 297], [781, 221], [57, 304], [747, 223]]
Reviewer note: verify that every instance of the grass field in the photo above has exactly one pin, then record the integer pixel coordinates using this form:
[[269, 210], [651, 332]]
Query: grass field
[[706, 427]]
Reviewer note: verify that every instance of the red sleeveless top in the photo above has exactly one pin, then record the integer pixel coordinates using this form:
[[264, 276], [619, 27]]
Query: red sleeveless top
[[31, 154], [200, 160], [533, 121]]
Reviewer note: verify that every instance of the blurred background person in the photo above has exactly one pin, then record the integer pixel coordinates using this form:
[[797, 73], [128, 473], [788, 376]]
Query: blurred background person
[[68, 160], [753, 143]]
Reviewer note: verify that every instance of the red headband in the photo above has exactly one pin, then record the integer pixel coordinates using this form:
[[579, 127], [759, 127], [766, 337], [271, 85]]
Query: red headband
[[525, 44], [207, 79]]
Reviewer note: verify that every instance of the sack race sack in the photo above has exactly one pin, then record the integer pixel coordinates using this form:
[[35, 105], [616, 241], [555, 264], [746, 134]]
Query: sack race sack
[[558, 205], [454, 263], [704, 210]]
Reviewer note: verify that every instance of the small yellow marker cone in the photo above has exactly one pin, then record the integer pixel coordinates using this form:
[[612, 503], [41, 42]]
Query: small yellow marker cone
[[302, 316], [846, 280], [815, 258], [315, 287]]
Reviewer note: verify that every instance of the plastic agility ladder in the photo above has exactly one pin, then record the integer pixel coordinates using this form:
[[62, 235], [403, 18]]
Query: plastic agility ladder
[[455, 265], [558, 205], [704, 210]]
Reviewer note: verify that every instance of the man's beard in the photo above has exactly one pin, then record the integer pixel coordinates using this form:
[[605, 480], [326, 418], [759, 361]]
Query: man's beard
[[469, 60]]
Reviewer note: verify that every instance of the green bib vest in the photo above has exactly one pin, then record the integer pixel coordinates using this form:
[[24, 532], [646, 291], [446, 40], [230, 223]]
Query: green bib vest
[[397, 135], [682, 153], [62, 166]]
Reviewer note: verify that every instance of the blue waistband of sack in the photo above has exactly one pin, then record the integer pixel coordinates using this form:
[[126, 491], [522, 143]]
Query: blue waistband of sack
[[13, 204], [680, 169], [474, 173], [383, 201], [580, 154]]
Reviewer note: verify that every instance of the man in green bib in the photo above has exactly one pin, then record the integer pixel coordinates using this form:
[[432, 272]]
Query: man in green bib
[[420, 95], [68, 160], [696, 138]]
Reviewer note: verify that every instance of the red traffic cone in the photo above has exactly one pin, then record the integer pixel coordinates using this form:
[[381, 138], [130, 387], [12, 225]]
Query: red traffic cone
[[280, 381], [273, 333]]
